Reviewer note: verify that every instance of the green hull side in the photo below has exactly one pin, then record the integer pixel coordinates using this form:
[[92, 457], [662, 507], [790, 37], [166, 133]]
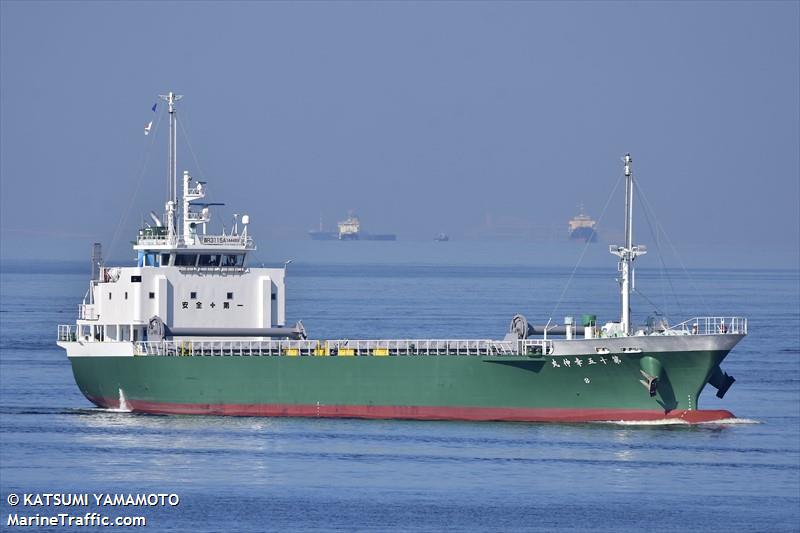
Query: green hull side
[[438, 381]]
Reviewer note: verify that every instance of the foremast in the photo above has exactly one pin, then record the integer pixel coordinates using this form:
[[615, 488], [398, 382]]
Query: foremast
[[628, 253]]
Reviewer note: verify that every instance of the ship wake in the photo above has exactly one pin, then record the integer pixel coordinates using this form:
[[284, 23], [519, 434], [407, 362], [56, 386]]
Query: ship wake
[[681, 422], [123, 405]]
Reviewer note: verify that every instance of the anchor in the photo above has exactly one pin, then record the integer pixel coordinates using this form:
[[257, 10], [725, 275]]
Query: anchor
[[649, 382], [651, 369], [721, 381]]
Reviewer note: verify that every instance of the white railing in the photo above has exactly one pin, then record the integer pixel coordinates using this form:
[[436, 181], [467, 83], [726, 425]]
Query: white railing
[[712, 325], [220, 347], [87, 312], [67, 332], [158, 241], [213, 269], [213, 240]]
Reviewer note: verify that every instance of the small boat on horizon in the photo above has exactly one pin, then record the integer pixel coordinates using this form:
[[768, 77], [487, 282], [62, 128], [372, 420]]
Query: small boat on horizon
[[582, 227], [349, 230]]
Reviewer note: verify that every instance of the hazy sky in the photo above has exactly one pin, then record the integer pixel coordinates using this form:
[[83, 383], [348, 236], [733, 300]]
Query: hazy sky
[[422, 117]]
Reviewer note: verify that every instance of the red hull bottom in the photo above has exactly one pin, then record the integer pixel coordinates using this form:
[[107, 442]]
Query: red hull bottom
[[417, 412]]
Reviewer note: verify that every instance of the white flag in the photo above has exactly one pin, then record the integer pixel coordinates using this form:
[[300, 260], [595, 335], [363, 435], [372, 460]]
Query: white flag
[[147, 128]]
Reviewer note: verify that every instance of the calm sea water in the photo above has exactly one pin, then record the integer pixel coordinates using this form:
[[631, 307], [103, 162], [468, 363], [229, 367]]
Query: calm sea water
[[261, 474]]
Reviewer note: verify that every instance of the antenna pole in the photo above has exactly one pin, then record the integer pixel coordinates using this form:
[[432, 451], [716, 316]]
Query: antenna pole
[[171, 98], [625, 319], [627, 253]]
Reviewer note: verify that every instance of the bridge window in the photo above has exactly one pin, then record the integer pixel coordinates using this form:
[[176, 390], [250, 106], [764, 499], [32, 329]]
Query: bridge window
[[230, 260], [209, 261], [185, 259], [164, 259]]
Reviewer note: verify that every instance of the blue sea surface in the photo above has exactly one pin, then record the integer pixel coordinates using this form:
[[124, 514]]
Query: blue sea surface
[[282, 474]]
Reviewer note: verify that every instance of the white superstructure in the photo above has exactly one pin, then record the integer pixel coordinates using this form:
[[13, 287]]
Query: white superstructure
[[187, 282], [349, 228]]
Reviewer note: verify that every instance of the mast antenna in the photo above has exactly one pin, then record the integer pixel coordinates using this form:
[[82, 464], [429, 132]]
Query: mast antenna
[[171, 99], [628, 252]]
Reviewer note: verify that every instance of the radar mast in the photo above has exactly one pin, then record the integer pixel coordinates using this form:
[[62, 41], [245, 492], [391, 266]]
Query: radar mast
[[172, 201], [628, 253]]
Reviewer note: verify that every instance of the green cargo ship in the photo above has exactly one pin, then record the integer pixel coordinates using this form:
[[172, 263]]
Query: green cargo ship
[[193, 329]]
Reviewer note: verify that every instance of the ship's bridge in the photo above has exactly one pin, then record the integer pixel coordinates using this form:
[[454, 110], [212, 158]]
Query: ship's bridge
[[161, 245]]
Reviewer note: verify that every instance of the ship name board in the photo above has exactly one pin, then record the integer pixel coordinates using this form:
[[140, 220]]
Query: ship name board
[[222, 239]]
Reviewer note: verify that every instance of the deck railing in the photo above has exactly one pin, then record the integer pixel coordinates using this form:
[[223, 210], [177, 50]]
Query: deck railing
[[67, 332], [213, 269], [158, 241], [405, 347], [712, 325], [87, 312]]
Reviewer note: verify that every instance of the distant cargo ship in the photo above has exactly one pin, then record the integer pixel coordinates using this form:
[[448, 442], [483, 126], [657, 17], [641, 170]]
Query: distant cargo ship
[[582, 228], [349, 230]]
